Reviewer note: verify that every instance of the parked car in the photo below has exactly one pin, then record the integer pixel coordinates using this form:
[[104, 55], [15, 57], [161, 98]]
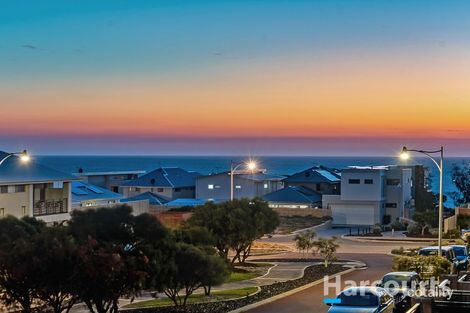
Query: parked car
[[447, 252], [461, 253], [398, 284], [363, 300]]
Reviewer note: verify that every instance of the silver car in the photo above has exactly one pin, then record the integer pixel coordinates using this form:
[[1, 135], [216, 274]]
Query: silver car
[[363, 300]]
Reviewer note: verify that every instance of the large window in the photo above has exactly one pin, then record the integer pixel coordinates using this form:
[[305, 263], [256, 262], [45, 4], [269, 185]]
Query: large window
[[354, 181], [3, 189], [368, 181], [210, 186], [391, 205], [20, 188]]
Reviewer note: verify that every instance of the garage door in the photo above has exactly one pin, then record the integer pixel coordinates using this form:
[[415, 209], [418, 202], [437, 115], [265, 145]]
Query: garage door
[[353, 215]]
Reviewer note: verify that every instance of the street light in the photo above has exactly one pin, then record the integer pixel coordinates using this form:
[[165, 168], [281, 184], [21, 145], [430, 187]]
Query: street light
[[405, 155], [24, 156], [251, 165]]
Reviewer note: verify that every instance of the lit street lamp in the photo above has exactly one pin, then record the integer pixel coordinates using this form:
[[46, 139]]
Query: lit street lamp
[[405, 155], [24, 156], [251, 165]]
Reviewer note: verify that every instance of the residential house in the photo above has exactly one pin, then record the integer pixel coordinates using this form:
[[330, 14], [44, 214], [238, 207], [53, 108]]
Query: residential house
[[168, 183], [294, 197], [371, 195], [86, 196], [108, 180], [320, 179], [245, 185], [32, 189]]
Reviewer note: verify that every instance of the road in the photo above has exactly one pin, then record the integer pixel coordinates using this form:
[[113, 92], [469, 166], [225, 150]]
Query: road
[[373, 254], [311, 300]]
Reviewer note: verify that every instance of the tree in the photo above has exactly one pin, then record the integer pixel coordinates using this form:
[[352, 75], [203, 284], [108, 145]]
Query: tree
[[18, 280], [426, 219], [327, 249], [236, 224], [116, 256], [193, 267], [55, 266], [461, 179], [304, 241]]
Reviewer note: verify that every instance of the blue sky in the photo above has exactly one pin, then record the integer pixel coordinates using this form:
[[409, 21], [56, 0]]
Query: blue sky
[[63, 61]]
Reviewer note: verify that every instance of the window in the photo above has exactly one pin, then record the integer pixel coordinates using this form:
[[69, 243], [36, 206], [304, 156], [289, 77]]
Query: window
[[20, 188], [2, 212], [393, 182], [3, 189], [210, 186], [137, 189], [354, 181], [266, 186], [391, 205], [23, 209], [238, 187], [177, 189], [368, 181], [159, 189]]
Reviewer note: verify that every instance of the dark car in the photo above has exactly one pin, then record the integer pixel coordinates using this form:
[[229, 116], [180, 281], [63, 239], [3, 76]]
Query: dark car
[[461, 253], [399, 284]]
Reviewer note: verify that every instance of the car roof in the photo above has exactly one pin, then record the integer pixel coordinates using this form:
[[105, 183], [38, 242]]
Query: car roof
[[401, 274], [375, 290], [444, 248], [458, 246]]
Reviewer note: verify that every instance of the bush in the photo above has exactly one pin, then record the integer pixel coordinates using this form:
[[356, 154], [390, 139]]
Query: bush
[[377, 229], [452, 234], [397, 225], [387, 218], [425, 266], [413, 230]]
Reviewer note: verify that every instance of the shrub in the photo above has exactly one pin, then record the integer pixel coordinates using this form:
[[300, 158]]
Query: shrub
[[377, 229], [425, 266], [414, 229], [452, 234], [397, 225]]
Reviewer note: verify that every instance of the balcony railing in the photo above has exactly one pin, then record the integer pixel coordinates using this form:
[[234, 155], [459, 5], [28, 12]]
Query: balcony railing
[[50, 207]]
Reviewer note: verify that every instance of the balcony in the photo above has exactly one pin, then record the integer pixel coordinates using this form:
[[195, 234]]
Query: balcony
[[50, 207]]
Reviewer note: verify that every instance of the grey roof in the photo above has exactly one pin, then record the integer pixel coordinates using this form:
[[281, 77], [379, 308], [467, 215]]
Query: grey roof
[[150, 196], [294, 194], [165, 177], [14, 171], [315, 175], [82, 191]]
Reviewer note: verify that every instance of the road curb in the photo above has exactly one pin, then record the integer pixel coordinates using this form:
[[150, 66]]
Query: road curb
[[290, 292], [384, 240]]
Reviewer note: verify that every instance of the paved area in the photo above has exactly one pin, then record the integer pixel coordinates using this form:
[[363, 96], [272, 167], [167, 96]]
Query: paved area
[[311, 299]]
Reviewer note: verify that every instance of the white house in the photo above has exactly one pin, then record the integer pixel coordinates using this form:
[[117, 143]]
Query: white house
[[371, 195]]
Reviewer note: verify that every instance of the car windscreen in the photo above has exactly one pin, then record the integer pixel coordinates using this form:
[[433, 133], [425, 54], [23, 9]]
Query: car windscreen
[[366, 299], [394, 280], [460, 251], [430, 252]]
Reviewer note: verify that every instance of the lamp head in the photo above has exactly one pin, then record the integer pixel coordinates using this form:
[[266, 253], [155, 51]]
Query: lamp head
[[404, 155], [24, 156], [251, 165]]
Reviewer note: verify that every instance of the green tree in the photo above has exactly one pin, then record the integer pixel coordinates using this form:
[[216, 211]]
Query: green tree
[[461, 179], [116, 256], [236, 224], [305, 241], [192, 268], [426, 220], [18, 280], [327, 249]]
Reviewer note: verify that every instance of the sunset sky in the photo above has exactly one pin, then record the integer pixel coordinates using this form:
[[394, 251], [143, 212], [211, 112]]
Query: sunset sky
[[234, 77]]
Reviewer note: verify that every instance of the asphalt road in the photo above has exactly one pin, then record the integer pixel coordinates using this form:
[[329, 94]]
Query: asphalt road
[[311, 300]]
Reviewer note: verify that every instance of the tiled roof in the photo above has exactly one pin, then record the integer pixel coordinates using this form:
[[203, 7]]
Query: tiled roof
[[14, 171], [153, 198], [294, 194], [315, 175], [165, 177], [82, 191]]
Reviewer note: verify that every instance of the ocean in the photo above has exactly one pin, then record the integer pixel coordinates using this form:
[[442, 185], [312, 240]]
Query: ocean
[[281, 165]]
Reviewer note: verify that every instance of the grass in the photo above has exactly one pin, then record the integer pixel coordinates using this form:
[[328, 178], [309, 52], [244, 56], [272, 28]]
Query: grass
[[197, 298], [293, 223], [239, 276]]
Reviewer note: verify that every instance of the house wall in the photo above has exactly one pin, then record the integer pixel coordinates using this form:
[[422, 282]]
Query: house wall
[[243, 188], [13, 203], [353, 213], [401, 194], [322, 188], [362, 191]]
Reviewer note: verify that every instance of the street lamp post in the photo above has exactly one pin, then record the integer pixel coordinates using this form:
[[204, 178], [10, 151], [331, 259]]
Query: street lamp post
[[405, 155], [251, 165], [24, 156]]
